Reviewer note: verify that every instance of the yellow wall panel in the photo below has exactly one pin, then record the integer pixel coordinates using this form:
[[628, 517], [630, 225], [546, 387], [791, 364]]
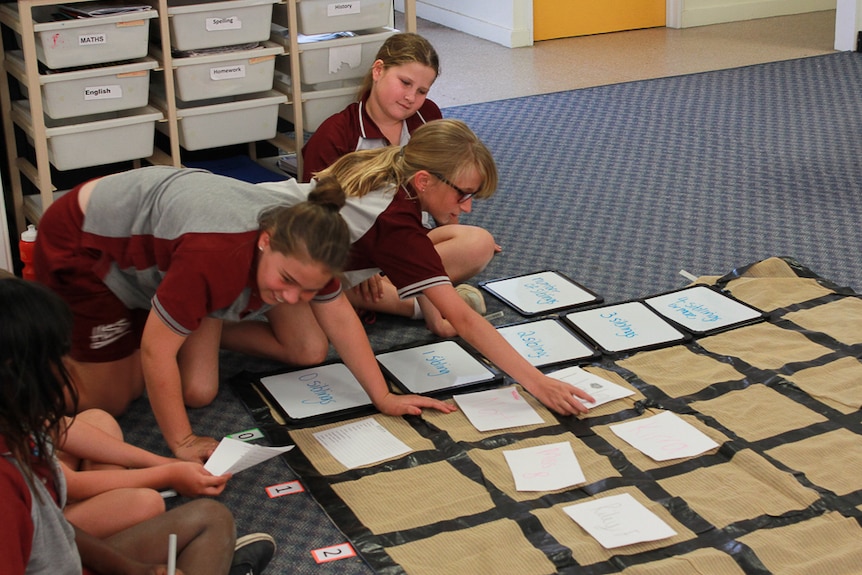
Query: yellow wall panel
[[564, 18]]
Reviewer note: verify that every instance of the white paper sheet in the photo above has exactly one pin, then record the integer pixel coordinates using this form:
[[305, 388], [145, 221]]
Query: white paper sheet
[[497, 409], [664, 436], [619, 520], [544, 467], [233, 456], [361, 443], [601, 389]]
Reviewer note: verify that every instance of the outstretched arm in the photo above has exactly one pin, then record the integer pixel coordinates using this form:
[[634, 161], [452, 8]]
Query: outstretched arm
[[84, 440], [553, 393], [343, 328], [160, 347]]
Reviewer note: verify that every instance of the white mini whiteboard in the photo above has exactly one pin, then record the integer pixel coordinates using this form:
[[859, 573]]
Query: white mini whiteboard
[[434, 367], [546, 342], [316, 391], [625, 327], [540, 292], [701, 310]]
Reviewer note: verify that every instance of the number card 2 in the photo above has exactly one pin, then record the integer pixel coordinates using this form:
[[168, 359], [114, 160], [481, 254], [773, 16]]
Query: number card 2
[[334, 553]]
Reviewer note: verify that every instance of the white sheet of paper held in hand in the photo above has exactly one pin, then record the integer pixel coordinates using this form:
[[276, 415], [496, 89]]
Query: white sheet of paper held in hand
[[497, 409], [601, 389], [544, 467], [664, 436], [232, 456], [619, 520], [361, 443]]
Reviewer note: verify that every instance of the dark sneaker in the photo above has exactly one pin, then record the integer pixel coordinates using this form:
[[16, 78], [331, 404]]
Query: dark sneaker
[[252, 554]]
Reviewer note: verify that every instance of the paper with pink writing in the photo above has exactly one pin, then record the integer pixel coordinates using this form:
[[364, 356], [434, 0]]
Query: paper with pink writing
[[664, 436], [544, 467], [619, 520], [497, 409], [601, 389]]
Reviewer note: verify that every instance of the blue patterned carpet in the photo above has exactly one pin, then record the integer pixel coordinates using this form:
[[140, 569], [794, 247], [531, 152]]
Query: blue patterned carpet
[[620, 187]]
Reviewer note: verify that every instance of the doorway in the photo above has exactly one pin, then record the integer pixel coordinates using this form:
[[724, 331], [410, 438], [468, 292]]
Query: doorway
[[566, 18]]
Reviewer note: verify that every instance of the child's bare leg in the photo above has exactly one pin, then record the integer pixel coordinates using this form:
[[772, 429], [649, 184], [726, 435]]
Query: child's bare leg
[[111, 386], [205, 537], [98, 515], [198, 361]]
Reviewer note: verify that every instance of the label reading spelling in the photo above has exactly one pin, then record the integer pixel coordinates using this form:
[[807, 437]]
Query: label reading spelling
[[226, 23]]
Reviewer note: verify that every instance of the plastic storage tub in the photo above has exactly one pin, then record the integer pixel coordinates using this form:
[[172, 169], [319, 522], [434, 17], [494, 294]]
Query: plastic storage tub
[[334, 60], [317, 104], [99, 139], [91, 90], [213, 24], [242, 119], [324, 16], [225, 74], [86, 41]]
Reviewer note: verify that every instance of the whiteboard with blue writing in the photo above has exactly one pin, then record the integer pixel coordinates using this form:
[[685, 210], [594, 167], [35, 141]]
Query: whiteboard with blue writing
[[546, 342], [625, 327], [316, 391], [434, 368], [540, 292], [703, 310]]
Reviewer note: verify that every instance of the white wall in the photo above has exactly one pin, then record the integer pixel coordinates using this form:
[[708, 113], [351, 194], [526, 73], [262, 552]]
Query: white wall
[[5, 250], [848, 22], [506, 22], [687, 13], [510, 22]]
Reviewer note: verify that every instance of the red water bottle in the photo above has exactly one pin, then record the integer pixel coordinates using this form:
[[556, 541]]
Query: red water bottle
[[25, 251]]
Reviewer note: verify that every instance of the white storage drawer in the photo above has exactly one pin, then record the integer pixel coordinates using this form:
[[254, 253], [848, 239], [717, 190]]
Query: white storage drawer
[[324, 16], [334, 60], [99, 139], [317, 104], [212, 24], [243, 119], [91, 90], [86, 41], [225, 74]]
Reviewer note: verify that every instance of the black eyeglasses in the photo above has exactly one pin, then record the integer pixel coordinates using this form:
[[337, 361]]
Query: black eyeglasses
[[464, 195]]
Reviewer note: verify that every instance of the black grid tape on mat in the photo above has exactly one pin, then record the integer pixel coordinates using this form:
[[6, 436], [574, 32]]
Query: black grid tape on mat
[[763, 498]]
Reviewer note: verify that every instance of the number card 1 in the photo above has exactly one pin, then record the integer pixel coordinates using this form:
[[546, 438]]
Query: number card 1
[[547, 342], [625, 327], [703, 310], [317, 392], [540, 292], [435, 368]]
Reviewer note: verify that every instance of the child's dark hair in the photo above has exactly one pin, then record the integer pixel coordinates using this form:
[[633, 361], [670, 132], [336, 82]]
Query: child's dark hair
[[35, 331], [313, 228]]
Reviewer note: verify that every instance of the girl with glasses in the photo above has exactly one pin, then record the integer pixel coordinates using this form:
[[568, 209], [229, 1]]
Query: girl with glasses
[[442, 170]]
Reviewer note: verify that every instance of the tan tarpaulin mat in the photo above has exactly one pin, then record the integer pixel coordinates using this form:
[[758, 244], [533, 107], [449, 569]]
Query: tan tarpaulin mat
[[781, 494]]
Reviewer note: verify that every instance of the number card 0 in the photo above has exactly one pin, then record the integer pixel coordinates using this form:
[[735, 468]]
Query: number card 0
[[546, 342], [540, 292], [435, 368], [317, 392], [625, 327], [703, 310]]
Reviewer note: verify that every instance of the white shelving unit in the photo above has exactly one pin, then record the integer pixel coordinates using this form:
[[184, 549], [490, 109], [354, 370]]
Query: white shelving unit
[[29, 207]]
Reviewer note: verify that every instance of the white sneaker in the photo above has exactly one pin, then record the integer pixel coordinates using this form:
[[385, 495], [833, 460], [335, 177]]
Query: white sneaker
[[473, 297]]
